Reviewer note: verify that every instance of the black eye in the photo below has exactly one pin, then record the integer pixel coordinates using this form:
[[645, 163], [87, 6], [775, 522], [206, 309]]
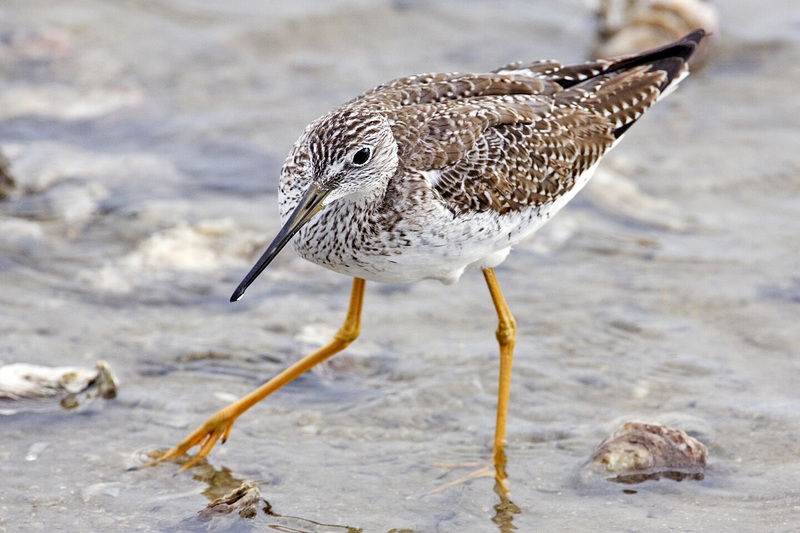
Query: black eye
[[362, 156]]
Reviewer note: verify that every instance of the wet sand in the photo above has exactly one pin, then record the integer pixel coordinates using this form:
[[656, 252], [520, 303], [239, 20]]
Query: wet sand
[[146, 140]]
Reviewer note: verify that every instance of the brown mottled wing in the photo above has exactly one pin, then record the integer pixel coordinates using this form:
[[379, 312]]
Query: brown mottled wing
[[438, 136], [501, 141], [520, 165], [521, 136]]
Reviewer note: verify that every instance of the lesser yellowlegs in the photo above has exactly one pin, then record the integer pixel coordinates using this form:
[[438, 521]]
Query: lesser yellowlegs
[[427, 176]]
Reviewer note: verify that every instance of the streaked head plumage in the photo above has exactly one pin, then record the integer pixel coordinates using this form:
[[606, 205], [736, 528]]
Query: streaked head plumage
[[348, 151]]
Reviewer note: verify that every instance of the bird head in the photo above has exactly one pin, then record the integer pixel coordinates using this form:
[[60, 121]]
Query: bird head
[[351, 151], [348, 153]]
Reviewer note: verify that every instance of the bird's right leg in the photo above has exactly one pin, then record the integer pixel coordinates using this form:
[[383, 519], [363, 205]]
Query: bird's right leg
[[219, 425]]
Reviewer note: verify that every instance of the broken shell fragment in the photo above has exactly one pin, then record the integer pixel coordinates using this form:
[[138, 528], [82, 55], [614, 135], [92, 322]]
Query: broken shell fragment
[[638, 451], [72, 385], [244, 500]]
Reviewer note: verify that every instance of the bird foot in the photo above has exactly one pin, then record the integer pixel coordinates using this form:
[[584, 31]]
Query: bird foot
[[483, 470], [217, 427]]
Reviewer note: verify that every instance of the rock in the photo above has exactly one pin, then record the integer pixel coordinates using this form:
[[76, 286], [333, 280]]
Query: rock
[[638, 451], [7, 182], [73, 385], [630, 26], [612, 190], [244, 500]]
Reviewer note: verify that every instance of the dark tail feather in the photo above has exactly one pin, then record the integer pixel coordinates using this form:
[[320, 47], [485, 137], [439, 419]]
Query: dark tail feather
[[669, 58], [623, 89]]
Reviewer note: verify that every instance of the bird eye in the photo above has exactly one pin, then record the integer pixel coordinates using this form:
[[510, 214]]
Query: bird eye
[[362, 156]]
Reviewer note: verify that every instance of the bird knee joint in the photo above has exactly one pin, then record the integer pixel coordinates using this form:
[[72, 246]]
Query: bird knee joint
[[506, 333], [347, 335]]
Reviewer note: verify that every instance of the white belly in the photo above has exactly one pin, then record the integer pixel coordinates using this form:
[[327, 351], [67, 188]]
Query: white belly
[[434, 245]]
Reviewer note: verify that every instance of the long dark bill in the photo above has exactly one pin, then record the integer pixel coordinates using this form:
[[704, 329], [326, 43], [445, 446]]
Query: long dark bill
[[310, 204]]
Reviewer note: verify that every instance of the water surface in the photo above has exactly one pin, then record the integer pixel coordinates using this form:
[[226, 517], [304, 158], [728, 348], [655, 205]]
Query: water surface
[[147, 138]]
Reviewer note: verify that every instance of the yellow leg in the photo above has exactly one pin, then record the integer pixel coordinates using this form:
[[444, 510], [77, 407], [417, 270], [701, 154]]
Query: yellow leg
[[221, 423], [506, 336]]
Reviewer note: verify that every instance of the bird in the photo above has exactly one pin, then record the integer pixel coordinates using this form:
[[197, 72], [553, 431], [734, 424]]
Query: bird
[[432, 175]]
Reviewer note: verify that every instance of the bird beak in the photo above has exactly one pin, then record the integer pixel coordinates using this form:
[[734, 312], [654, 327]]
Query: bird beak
[[310, 204]]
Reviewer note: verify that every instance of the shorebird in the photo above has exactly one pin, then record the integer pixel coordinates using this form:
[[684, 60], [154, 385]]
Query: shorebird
[[428, 176]]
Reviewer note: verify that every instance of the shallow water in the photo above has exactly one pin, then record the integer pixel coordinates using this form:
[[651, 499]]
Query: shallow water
[[147, 139]]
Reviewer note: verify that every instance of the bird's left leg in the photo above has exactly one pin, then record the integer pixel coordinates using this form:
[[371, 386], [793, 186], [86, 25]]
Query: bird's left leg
[[219, 425], [506, 335]]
